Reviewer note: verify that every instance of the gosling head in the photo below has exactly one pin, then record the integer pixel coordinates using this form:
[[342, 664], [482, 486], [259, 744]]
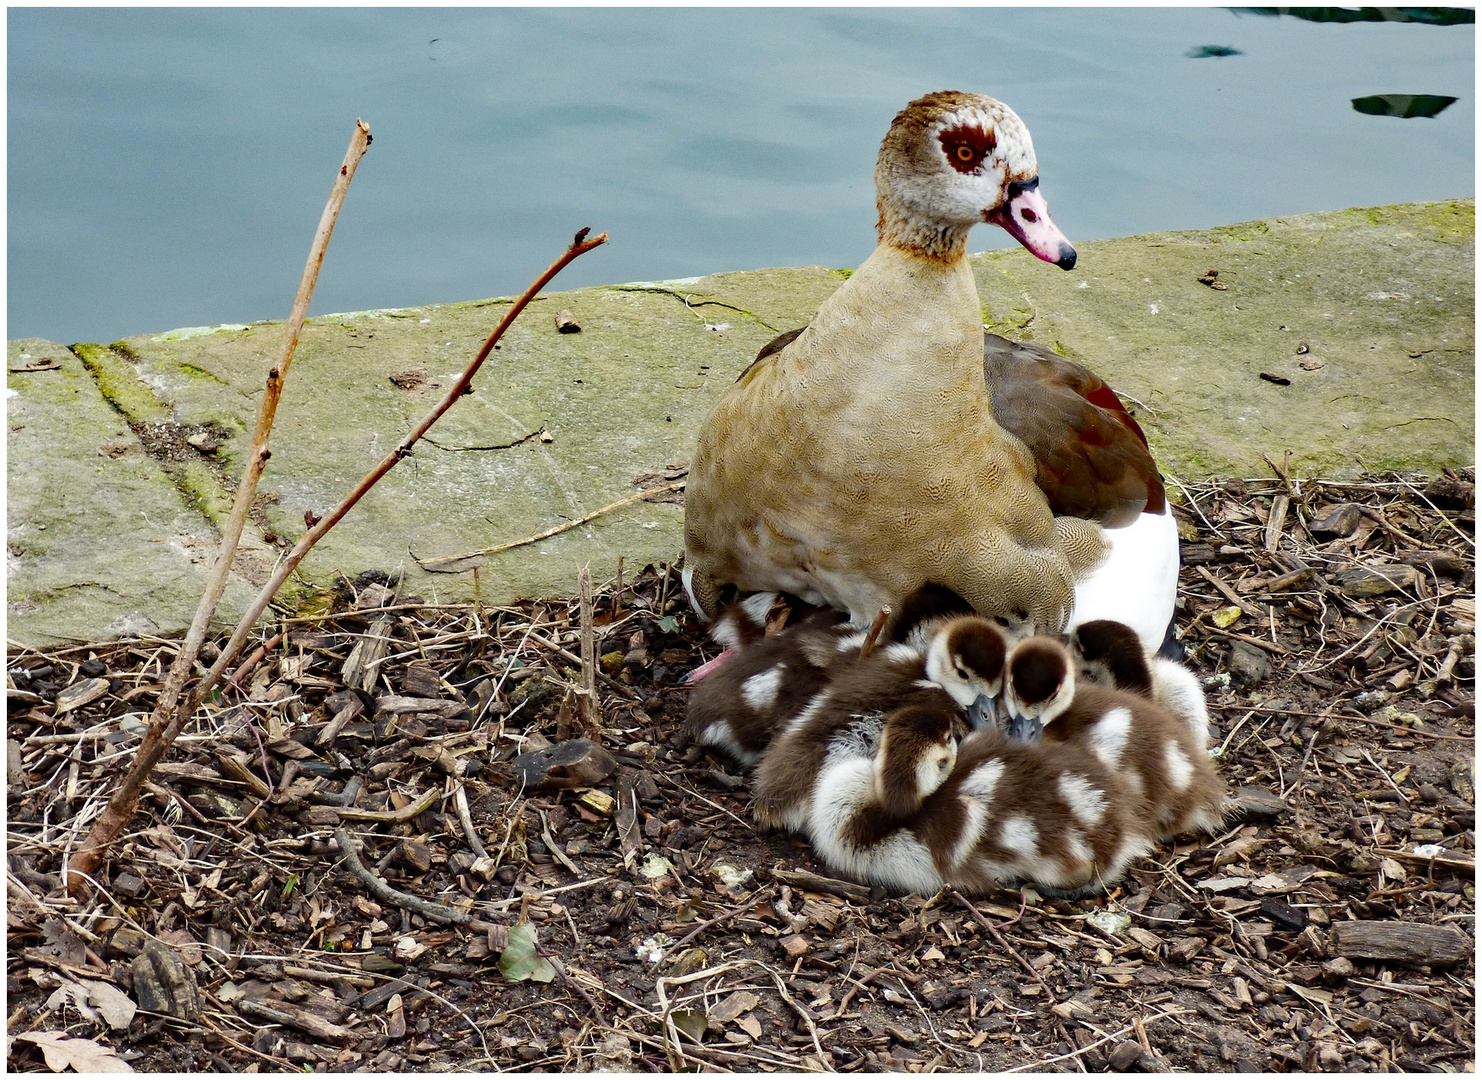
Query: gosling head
[[953, 159], [1039, 685], [966, 659], [1110, 652], [923, 611], [916, 755]]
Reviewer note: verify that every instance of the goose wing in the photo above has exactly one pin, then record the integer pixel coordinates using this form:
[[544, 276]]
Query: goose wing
[[1092, 457]]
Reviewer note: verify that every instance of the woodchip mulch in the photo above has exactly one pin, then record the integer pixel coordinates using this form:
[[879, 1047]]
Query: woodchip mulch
[[633, 919]]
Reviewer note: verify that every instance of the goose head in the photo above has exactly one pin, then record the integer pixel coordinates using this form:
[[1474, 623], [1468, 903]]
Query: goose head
[[952, 160], [966, 659], [1039, 685], [916, 755]]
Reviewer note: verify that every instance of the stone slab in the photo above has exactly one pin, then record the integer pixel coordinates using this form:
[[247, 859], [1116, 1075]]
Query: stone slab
[[100, 544], [1384, 298], [560, 425]]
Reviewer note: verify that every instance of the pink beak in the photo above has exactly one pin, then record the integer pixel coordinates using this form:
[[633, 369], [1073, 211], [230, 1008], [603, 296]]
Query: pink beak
[[709, 666], [1026, 217]]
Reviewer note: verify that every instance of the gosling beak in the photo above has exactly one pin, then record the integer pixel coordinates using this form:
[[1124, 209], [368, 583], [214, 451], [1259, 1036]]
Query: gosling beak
[[1023, 728], [1025, 216], [982, 713]]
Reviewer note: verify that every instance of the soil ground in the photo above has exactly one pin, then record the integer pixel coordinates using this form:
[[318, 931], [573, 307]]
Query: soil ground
[[681, 937]]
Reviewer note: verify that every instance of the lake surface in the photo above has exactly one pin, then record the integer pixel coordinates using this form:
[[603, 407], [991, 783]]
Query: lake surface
[[167, 167]]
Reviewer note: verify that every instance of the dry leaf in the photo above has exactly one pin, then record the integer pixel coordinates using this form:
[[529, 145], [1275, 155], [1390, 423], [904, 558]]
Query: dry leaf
[[116, 1006], [80, 1055], [742, 1001]]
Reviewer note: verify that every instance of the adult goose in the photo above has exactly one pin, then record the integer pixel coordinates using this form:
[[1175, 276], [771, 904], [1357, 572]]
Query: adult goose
[[868, 453]]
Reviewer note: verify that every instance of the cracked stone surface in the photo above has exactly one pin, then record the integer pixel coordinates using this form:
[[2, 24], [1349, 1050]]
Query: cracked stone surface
[[1382, 299], [100, 544]]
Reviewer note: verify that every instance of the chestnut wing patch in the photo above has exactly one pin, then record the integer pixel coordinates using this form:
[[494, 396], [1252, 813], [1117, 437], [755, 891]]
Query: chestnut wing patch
[[1091, 456]]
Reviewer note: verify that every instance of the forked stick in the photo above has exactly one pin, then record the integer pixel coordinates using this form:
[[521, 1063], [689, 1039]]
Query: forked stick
[[120, 809], [579, 246], [168, 718], [258, 455]]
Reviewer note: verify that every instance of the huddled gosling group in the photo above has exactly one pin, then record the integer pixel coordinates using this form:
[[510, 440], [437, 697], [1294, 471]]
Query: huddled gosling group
[[953, 751]]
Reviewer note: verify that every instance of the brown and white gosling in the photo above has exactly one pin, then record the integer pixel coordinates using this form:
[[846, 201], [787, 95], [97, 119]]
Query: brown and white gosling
[[1002, 811], [738, 705], [962, 671], [1157, 752], [1111, 653], [738, 702]]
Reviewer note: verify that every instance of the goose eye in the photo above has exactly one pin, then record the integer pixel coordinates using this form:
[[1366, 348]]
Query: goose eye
[[965, 153]]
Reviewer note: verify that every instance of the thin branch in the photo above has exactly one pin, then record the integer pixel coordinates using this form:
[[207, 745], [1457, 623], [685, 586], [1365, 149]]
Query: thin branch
[[465, 818], [1037, 1065], [286, 566], [1004, 945], [587, 707], [169, 717], [382, 891], [121, 808], [440, 560]]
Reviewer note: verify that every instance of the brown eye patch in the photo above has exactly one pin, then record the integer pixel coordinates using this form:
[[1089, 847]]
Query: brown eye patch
[[966, 147]]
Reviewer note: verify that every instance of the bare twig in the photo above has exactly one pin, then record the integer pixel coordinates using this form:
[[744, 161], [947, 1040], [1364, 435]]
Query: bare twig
[[588, 711], [470, 835], [580, 246], [572, 984], [442, 560], [392, 817], [873, 634], [859, 984], [1404, 801], [673, 952], [258, 655], [1004, 945], [382, 891], [121, 808], [1037, 1065], [169, 715]]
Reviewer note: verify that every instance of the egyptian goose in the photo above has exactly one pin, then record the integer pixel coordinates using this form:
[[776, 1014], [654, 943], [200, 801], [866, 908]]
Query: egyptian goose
[[869, 453], [1158, 753], [1006, 811], [1111, 653], [962, 669]]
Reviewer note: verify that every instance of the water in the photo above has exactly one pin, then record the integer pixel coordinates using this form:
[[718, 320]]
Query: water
[[167, 167]]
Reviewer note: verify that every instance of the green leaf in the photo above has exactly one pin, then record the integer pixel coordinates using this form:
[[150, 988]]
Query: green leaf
[[667, 625], [520, 960], [517, 961], [289, 885], [690, 1021]]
